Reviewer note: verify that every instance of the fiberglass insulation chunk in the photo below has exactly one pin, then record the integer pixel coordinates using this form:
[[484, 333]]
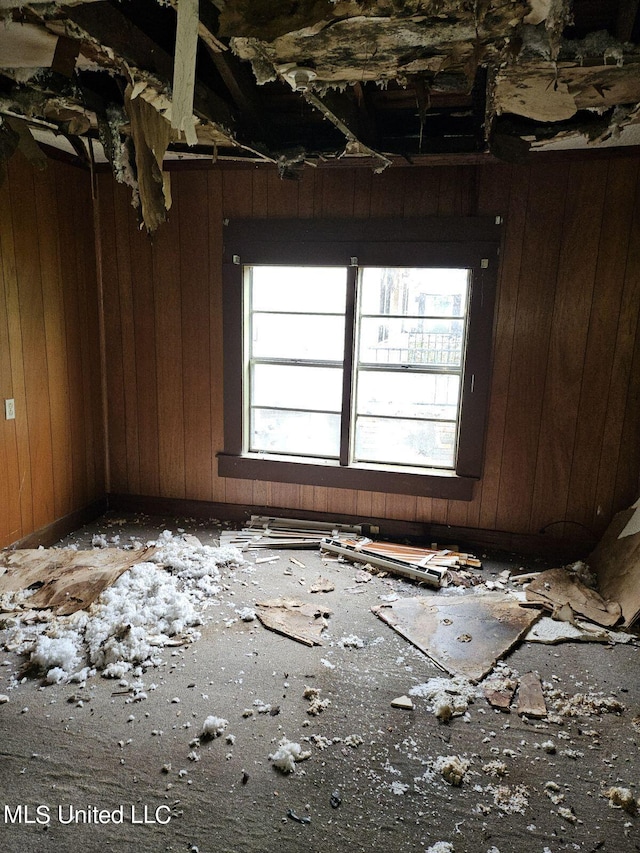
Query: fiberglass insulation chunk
[[286, 755]]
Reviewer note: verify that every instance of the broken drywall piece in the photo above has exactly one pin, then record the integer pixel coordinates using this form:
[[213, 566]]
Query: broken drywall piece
[[531, 701], [557, 588], [65, 580], [299, 620], [464, 635], [405, 703], [616, 563], [322, 585], [551, 631], [633, 525]]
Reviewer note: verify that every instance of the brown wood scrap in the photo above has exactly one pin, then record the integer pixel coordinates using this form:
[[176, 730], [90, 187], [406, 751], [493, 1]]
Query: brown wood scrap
[[501, 698], [530, 696], [299, 620], [65, 580], [557, 588]]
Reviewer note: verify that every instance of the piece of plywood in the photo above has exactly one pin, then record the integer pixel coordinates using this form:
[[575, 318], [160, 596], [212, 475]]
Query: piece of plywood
[[530, 696], [465, 635], [65, 580], [616, 562], [556, 588], [299, 620]]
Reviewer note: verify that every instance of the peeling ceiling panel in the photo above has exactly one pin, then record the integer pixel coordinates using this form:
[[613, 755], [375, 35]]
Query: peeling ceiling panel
[[374, 82]]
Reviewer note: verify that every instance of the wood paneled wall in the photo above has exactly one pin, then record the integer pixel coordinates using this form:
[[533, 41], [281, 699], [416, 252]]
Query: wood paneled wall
[[563, 446], [52, 454]]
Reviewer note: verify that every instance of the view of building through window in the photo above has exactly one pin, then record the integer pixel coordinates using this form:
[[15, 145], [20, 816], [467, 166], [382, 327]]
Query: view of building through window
[[398, 390]]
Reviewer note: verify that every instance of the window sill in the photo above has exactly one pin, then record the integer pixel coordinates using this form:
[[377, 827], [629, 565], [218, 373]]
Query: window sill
[[433, 483]]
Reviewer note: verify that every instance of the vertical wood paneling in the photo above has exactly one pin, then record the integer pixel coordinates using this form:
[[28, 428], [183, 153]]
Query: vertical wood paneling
[[622, 347], [34, 355], [115, 382], [170, 370], [514, 213], [571, 310], [49, 465], [126, 229], [143, 302], [603, 321], [536, 290], [214, 190], [21, 492], [565, 338], [196, 301], [56, 353], [10, 515]]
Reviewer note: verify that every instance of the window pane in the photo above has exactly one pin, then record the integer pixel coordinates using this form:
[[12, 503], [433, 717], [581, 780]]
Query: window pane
[[305, 289], [405, 442], [307, 433], [409, 395], [398, 341], [303, 336], [297, 387], [428, 292]]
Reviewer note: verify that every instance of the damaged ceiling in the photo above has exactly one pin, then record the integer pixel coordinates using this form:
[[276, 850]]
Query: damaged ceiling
[[361, 82]]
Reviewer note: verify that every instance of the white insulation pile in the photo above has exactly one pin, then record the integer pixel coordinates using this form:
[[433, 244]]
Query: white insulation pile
[[127, 626]]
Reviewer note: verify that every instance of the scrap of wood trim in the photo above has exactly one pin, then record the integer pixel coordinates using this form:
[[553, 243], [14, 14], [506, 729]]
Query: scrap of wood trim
[[360, 553], [296, 619], [556, 588], [531, 701], [184, 69]]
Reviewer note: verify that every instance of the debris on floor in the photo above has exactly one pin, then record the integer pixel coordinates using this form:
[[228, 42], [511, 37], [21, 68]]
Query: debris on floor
[[152, 604], [287, 755], [551, 631], [530, 696], [299, 620], [616, 562], [403, 702], [422, 564], [566, 596], [266, 532], [322, 585], [464, 635], [62, 579]]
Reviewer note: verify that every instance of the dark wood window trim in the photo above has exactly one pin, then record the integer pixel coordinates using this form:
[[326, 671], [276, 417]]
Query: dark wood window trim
[[434, 241]]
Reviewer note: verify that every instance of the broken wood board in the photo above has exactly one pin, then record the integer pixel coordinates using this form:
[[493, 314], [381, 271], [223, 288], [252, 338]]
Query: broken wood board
[[270, 532], [349, 548], [299, 620], [65, 580], [616, 563], [465, 635], [556, 589], [530, 696]]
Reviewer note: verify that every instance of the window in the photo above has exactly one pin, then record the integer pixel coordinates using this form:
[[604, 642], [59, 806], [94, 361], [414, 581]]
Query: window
[[357, 353]]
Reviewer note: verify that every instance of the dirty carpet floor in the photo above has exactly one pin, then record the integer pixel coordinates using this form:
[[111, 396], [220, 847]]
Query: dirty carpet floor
[[91, 747]]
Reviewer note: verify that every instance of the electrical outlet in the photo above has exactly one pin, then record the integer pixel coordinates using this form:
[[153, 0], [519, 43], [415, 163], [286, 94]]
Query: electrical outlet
[[9, 410]]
